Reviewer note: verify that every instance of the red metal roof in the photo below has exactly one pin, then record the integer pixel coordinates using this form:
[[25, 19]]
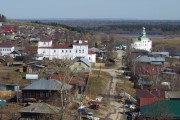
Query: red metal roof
[[8, 29], [6, 45], [45, 39], [90, 52], [59, 47], [145, 101], [150, 93], [62, 46]]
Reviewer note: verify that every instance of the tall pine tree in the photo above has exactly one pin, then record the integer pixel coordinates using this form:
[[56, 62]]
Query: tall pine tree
[[2, 18]]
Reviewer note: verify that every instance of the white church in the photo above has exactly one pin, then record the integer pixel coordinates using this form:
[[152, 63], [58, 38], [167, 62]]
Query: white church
[[79, 48], [142, 42]]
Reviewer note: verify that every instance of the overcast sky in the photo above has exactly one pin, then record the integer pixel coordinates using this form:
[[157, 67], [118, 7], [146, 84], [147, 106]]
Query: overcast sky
[[111, 9]]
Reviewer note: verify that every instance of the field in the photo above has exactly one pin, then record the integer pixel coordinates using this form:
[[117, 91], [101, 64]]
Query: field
[[97, 85], [165, 44]]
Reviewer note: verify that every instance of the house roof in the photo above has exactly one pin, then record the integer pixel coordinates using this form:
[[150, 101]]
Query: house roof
[[2, 103], [45, 84], [60, 46], [42, 108], [83, 60], [90, 52], [45, 39], [150, 93], [150, 59], [8, 29], [146, 101], [16, 52], [6, 45], [160, 53], [168, 108], [172, 94], [95, 50]]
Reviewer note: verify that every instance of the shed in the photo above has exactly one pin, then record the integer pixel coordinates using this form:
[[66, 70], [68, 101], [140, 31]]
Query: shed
[[31, 76]]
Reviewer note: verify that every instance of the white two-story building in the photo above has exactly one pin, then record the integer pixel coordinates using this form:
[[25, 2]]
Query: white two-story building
[[79, 48], [142, 42], [6, 49]]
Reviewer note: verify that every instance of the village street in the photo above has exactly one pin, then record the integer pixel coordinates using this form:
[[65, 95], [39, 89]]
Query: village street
[[118, 107]]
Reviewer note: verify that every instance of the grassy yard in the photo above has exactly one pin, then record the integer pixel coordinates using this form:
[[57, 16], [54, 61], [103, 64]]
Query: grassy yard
[[128, 85], [97, 85], [13, 78]]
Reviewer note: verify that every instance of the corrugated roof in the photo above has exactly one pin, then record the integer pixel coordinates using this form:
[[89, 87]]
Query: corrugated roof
[[6, 45], [168, 108], [146, 101], [42, 108], [150, 59], [84, 60], [45, 84], [150, 93], [172, 94]]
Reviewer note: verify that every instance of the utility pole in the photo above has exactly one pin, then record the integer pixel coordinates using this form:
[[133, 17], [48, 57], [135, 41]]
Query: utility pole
[[124, 101]]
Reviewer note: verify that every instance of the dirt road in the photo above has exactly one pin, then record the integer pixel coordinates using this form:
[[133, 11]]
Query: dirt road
[[116, 114]]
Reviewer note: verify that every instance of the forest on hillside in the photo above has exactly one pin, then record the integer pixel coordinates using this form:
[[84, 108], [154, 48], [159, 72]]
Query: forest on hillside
[[118, 27]]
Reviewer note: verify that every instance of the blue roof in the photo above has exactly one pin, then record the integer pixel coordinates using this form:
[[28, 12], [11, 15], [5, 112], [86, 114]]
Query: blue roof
[[45, 84]]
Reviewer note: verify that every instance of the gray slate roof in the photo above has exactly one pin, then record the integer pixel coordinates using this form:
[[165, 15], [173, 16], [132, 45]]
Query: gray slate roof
[[50, 84], [150, 59], [172, 94], [83, 60], [160, 53], [42, 108], [95, 49]]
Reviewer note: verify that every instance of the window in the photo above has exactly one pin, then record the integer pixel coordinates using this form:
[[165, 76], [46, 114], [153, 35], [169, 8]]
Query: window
[[44, 51], [83, 51], [79, 51], [44, 43], [89, 58], [76, 51], [41, 94], [62, 51], [66, 51], [54, 51], [79, 63], [47, 94], [70, 51]]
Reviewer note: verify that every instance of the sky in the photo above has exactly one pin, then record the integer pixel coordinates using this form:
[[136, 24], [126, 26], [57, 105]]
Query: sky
[[91, 9]]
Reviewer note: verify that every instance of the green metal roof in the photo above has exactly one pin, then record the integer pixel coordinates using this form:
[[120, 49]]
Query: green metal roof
[[169, 108]]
